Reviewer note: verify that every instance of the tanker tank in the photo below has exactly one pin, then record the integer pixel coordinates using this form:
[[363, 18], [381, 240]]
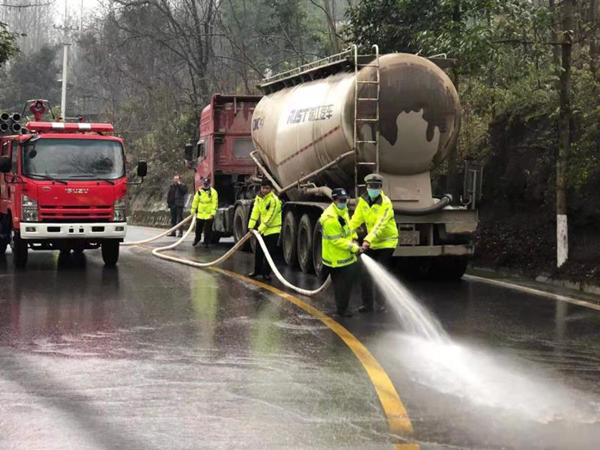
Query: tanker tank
[[299, 129]]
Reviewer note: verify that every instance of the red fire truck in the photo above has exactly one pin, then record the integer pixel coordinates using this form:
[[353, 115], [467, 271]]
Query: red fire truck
[[62, 187]]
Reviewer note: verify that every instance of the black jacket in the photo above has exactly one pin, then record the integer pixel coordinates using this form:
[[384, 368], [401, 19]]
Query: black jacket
[[176, 196]]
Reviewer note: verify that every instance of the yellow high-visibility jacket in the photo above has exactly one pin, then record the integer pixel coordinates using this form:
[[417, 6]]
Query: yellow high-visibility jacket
[[378, 216], [268, 210], [205, 204], [338, 248]]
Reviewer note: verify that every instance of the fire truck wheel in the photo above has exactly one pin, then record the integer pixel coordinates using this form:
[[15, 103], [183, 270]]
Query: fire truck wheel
[[4, 235], [305, 244], [110, 252], [19, 249]]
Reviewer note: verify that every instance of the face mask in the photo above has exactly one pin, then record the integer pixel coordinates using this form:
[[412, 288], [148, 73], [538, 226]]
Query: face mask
[[374, 193], [341, 205]]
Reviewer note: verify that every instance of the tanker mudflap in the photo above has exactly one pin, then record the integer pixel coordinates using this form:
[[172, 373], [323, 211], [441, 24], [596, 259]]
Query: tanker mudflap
[[434, 250]]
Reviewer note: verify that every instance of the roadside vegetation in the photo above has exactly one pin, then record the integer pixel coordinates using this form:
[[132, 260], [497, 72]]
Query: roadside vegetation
[[528, 72]]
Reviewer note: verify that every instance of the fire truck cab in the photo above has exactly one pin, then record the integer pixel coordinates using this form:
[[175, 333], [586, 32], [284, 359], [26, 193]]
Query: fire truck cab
[[63, 187]]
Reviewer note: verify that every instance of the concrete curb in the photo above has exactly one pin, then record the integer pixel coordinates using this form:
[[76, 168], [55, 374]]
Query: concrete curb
[[586, 288]]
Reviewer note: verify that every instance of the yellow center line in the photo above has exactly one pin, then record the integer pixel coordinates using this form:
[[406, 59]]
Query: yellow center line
[[396, 414]]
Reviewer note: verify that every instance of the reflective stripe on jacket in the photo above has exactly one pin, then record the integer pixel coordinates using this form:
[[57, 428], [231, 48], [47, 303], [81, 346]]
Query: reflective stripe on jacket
[[338, 248], [379, 218], [205, 204], [268, 210]]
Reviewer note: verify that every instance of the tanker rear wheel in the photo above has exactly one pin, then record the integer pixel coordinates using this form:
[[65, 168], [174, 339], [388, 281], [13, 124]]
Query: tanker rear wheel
[[305, 244], [320, 268], [289, 236], [240, 226], [449, 268]]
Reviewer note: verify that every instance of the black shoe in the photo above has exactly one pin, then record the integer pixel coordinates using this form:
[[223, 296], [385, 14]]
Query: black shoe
[[180, 235], [380, 308], [267, 277], [344, 314], [365, 309], [172, 235], [252, 275], [195, 242]]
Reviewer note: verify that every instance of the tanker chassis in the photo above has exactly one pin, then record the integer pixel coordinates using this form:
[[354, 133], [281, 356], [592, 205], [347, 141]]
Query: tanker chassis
[[328, 125]]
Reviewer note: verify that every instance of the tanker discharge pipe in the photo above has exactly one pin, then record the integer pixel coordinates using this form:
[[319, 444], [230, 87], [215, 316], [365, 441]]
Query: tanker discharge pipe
[[445, 201]]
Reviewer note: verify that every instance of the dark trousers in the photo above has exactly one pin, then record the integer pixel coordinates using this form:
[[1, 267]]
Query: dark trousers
[[206, 225], [261, 265], [369, 291], [176, 215], [343, 281]]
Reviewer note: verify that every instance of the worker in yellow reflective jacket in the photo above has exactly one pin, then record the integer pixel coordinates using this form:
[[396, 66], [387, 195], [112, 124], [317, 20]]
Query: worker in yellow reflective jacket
[[376, 212], [339, 249], [204, 206], [266, 211]]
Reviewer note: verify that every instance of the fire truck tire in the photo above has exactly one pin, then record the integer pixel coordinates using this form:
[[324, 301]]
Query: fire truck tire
[[20, 251], [305, 244], [4, 234], [240, 225], [320, 268], [289, 236], [110, 252]]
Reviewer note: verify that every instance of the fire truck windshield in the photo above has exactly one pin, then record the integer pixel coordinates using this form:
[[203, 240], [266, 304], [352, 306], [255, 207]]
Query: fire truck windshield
[[74, 159]]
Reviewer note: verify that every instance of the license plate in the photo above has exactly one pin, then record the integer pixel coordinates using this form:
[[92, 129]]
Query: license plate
[[408, 237]]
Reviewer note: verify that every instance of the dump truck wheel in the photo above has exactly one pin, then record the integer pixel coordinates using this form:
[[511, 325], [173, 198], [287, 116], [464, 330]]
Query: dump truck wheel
[[305, 244], [110, 252], [289, 236]]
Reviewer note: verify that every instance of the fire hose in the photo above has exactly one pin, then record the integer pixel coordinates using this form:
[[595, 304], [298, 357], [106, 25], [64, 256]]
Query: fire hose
[[238, 245]]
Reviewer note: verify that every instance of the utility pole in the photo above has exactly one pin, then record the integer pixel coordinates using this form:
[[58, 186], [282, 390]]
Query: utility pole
[[65, 74], [564, 131]]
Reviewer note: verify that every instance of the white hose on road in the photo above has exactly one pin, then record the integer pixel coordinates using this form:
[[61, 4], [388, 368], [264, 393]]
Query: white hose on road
[[158, 253]]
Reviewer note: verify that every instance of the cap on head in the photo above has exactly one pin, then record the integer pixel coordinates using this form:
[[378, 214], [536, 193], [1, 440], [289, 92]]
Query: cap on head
[[374, 179], [339, 194], [266, 182]]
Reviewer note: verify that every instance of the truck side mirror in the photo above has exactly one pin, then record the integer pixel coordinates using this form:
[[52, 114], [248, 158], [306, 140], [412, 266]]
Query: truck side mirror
[[5, 164], [142, 169], [188, 153]]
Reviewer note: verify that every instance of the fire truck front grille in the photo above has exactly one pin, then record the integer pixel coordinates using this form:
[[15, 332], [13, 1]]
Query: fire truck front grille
[[78, 213]]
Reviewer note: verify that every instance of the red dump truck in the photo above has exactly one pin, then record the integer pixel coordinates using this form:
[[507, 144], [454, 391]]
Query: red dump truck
[[327, 125], [63, 187]]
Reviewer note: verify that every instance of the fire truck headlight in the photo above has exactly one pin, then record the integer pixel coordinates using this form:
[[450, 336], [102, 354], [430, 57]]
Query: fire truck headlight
[[29, 209], [120, 215]]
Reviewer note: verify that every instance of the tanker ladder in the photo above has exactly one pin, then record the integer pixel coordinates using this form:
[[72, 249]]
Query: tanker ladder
[[360, 103]]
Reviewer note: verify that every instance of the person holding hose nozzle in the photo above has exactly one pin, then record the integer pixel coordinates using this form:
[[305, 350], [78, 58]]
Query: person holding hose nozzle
[[375, 210], [339, 249], [267, 209], [205, 206]]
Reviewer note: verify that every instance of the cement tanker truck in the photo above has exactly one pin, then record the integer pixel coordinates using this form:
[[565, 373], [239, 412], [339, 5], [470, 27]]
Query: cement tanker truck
[[328, 124]]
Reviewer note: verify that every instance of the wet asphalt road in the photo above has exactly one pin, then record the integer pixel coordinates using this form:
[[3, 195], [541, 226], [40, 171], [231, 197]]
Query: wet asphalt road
[[155, 355]]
